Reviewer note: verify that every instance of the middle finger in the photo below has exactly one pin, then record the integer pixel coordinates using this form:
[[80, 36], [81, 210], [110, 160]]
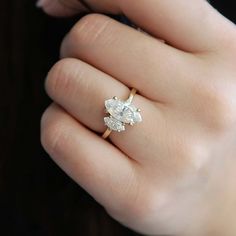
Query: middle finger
[[157, 70]]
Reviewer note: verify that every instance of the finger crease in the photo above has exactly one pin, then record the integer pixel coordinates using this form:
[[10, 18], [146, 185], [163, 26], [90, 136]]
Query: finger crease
[[86, 5]]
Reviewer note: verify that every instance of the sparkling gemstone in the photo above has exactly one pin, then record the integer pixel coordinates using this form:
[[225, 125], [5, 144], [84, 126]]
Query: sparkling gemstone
[[114, 124], [137, 117], [123, 111]]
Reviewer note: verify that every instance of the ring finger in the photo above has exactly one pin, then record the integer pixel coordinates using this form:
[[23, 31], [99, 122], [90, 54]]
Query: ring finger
[[82, 89]]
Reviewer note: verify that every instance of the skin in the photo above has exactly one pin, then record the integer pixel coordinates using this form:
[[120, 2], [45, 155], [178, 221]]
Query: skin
[[173, 173]]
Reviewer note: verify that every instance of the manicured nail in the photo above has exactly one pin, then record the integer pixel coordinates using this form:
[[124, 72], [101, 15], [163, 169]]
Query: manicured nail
[[42, 3]]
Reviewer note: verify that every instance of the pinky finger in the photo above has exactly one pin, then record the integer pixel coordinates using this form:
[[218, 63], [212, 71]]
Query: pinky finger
[[101, 169]]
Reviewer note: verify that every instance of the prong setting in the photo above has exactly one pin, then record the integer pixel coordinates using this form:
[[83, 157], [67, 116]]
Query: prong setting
[[121, 113]]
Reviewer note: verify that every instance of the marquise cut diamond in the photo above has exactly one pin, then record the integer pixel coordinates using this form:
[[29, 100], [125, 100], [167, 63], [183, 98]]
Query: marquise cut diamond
[[114, 124], [121, 113]]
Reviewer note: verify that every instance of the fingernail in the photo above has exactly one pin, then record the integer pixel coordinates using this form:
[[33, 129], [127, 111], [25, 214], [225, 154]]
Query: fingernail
[[42, 3]]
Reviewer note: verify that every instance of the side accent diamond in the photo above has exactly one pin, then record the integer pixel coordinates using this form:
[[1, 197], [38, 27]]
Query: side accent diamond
[[114, 124]]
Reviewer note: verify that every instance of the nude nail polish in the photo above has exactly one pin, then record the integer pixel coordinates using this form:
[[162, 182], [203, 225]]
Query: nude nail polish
[[42, 3]]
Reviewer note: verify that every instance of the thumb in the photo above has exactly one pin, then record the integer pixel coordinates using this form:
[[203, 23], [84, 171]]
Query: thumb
[[64, 8]]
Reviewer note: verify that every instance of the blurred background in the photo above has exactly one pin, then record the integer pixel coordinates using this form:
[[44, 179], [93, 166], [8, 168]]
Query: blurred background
[[36, 197]]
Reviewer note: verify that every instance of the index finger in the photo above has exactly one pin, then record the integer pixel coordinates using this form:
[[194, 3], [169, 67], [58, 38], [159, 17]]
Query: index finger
[[192, 26]]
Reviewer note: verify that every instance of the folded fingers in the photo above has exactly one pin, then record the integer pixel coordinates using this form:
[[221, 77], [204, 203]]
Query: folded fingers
[[100, 168], [135, 59], [82, 90]]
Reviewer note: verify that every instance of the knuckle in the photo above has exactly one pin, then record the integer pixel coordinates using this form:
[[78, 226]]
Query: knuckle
[[52, 136], [128, 209], [132, 202], [59, 77], [187, 153], [193, 155], [142, 209], [56, 77], [136, 204], [217, 107], [220, 111], [89, 29]]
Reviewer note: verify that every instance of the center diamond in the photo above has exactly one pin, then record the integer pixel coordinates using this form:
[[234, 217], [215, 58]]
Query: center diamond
[[121, 113]]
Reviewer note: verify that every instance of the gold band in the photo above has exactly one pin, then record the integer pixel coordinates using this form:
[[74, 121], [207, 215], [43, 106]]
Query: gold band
[[106, 133], [132, 94], [130, 98]]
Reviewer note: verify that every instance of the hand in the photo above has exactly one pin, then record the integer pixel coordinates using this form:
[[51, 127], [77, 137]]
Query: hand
[[173, 173]]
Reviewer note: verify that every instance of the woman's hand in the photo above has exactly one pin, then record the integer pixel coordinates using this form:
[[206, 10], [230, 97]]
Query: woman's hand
[[174, 173]]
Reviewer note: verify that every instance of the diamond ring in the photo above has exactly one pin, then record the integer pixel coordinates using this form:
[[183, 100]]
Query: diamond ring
[[120, 113]]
